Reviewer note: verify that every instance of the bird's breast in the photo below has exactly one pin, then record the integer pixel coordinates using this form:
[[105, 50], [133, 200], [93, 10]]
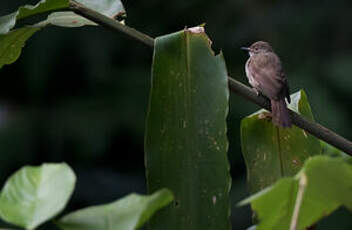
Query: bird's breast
[[250, 75]]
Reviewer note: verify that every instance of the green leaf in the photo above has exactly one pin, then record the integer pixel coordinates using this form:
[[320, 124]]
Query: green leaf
[[328, 186], [33, 195], [12, 43], [271, 153], [128, 213], [9, 21], [110, 8], [332, 151], [185, 140]]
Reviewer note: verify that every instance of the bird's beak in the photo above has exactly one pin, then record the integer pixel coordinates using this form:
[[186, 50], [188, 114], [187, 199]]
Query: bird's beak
[[245, 48]]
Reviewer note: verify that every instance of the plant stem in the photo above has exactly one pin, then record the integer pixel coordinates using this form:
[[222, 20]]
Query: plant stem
[[110, 23], [236, 87], [301, 189]]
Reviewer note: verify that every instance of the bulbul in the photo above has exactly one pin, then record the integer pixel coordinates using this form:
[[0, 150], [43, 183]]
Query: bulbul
[[265, 74]]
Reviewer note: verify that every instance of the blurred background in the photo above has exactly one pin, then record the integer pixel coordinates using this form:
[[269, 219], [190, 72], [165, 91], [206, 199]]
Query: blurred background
[[80, 95]]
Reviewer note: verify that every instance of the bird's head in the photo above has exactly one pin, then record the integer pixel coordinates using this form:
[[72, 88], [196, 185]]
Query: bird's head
[[258, 47]]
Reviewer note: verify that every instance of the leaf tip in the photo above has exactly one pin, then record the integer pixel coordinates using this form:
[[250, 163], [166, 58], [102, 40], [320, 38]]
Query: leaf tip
[[196, 29]]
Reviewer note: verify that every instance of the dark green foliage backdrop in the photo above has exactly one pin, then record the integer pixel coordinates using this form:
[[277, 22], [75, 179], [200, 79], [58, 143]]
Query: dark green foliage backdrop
[[80, 95]]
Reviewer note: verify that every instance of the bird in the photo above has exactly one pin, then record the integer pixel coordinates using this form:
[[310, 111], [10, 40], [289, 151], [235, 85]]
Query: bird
[[265, 74]]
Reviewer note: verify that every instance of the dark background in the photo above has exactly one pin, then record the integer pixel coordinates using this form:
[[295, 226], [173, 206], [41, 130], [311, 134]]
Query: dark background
[[80, 95]]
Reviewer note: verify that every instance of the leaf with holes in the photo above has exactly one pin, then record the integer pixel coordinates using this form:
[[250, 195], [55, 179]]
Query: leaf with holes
[[271, 153], [34, 195], [185, 140], [128, 213]]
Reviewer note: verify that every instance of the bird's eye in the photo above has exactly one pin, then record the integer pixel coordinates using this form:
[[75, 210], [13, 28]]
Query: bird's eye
[[256, 49]]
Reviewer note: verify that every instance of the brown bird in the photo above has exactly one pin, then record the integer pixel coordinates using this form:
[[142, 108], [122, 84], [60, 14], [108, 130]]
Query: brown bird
[[265, 73]]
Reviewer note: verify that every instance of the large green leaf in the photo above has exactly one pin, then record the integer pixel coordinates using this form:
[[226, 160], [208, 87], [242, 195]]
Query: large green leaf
[[128, 213], [271, 153], [12, 43], [185, 140], [33, 195], [328, 185]]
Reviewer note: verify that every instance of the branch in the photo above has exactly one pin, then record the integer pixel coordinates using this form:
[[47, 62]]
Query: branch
[[236, 87], [313, 128], [110, 23]]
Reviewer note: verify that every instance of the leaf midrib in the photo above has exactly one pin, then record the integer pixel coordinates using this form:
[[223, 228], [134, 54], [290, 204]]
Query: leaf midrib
[[280, 152]]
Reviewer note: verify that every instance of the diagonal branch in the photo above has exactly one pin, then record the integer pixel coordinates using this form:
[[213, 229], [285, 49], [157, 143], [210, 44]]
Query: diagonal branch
[[313, 128], [235, 86], [110, 23]]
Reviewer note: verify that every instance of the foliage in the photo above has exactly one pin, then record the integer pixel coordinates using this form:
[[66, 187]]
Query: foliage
[[276, 152], [186, 147], [327, 187], [11, 44], [185, 140], [34, 195], [12, 41], [128, 213], [273, 157]]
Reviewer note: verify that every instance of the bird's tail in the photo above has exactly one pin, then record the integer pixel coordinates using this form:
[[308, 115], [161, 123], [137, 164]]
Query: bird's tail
[[280, 114]]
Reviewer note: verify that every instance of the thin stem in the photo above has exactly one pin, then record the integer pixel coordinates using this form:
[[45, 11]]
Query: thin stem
[[301, 189], [236, 87], [110, 23]]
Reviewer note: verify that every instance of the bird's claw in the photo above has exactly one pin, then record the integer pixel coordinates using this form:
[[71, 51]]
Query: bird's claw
[[256, 91]]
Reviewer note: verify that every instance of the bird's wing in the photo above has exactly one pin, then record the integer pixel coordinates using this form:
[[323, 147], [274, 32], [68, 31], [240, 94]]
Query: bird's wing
[[267, 71]]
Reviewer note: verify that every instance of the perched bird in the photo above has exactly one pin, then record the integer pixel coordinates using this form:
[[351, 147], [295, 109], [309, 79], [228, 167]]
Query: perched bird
[[265, 73]]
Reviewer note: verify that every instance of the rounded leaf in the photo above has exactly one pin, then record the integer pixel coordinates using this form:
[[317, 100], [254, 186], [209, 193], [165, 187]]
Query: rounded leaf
[[33, 195]]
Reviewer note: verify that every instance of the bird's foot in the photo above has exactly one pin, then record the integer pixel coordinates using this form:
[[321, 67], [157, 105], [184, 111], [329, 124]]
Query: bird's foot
[[256, 91]]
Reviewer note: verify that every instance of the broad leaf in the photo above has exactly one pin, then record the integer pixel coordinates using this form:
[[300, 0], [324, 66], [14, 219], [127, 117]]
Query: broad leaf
[[271, 153], [128, 213], [185, 140], [12, 43], [328, 186], [34, 195]]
